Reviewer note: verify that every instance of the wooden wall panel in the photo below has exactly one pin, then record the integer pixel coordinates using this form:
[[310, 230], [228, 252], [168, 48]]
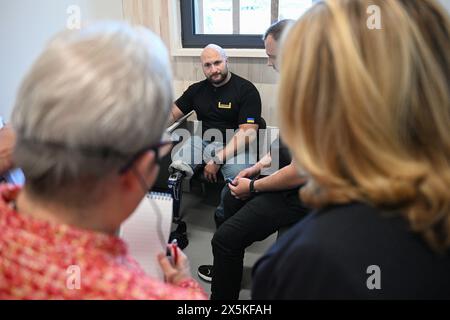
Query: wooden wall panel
[[150, 13]]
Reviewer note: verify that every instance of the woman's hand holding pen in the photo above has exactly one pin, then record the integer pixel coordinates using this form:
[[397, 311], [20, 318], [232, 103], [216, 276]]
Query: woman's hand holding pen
[[177, 270]]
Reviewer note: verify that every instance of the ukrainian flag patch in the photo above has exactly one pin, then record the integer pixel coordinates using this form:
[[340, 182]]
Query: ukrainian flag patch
[[250, 120]]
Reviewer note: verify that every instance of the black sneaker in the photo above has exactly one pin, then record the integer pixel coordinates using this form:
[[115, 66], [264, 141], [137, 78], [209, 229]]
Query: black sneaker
[[205, 272]]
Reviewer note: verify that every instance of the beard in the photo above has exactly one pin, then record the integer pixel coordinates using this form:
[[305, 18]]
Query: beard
[[218, 78]]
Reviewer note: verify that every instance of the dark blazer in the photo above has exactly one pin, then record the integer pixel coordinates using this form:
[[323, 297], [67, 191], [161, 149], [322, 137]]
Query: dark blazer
[[352, 252]]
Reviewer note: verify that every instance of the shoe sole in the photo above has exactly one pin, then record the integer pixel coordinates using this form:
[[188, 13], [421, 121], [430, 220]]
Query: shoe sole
[[203, 277]]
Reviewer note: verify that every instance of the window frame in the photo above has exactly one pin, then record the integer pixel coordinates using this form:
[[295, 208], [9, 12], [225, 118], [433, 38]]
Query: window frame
[[190, 39]]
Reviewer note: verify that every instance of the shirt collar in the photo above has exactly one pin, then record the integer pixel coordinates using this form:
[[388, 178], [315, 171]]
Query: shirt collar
[[53, 232]]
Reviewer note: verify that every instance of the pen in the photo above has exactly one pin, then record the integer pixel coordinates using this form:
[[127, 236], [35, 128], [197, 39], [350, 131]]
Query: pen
[[175, 251]]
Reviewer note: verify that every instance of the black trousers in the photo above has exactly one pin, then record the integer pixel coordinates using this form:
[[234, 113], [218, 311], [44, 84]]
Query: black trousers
[[245, 222]]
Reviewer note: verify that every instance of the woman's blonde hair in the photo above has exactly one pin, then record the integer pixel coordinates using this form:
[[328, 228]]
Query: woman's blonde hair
[[366, 111]]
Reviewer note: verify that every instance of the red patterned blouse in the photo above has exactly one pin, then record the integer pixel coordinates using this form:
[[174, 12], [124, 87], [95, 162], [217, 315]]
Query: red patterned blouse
[[40, 260]]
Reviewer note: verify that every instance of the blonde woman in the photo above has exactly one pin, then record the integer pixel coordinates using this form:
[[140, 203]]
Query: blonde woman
[[366, 113], [89, 120]]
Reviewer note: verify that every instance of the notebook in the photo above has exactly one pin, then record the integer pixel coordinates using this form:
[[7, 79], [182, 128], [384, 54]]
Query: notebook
[[147, 231]]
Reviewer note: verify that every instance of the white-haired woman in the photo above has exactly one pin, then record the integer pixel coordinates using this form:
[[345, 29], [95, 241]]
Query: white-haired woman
[[89, 120]]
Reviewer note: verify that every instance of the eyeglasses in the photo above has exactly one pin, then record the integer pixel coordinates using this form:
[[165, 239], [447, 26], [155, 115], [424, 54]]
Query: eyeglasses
[[160, 149]]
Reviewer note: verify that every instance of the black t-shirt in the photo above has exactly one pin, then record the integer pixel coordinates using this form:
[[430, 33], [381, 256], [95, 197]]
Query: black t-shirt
[[226, 107]]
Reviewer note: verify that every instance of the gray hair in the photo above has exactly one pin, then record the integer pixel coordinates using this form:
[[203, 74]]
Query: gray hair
[[92, 99]]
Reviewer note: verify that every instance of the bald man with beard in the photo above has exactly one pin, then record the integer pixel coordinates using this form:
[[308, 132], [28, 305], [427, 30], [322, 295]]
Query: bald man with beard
[[223, 101]]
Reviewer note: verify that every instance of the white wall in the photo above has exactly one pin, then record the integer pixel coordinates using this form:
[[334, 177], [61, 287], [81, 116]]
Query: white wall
[[26, 26]]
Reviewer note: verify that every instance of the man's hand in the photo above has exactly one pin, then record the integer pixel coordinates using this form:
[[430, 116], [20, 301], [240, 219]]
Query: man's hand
[[210, 171], [242, 189], [251, 172]]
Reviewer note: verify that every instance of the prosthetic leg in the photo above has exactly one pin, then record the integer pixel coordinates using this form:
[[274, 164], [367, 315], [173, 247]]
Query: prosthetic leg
[[178, 171], [174, 183]]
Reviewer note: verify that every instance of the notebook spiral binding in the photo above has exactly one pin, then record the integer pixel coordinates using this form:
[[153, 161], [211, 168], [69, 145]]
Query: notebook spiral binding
[[159, 196]]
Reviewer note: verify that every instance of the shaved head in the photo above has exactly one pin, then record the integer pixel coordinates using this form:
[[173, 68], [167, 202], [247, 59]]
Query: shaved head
[[210, 48], [215, 64]]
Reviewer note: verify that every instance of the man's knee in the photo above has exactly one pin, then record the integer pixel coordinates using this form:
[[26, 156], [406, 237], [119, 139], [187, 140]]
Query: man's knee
[[228, 240], [228, 198], [219, 216], [229, 206], [221, 242]]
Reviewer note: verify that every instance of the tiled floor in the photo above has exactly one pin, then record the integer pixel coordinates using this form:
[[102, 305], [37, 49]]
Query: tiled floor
[[198, 212]]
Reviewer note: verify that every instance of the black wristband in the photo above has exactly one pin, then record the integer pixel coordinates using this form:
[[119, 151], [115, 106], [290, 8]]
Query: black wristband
[[252, 187]]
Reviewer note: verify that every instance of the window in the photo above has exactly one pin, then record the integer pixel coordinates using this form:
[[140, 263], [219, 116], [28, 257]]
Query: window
[[234, 23]]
